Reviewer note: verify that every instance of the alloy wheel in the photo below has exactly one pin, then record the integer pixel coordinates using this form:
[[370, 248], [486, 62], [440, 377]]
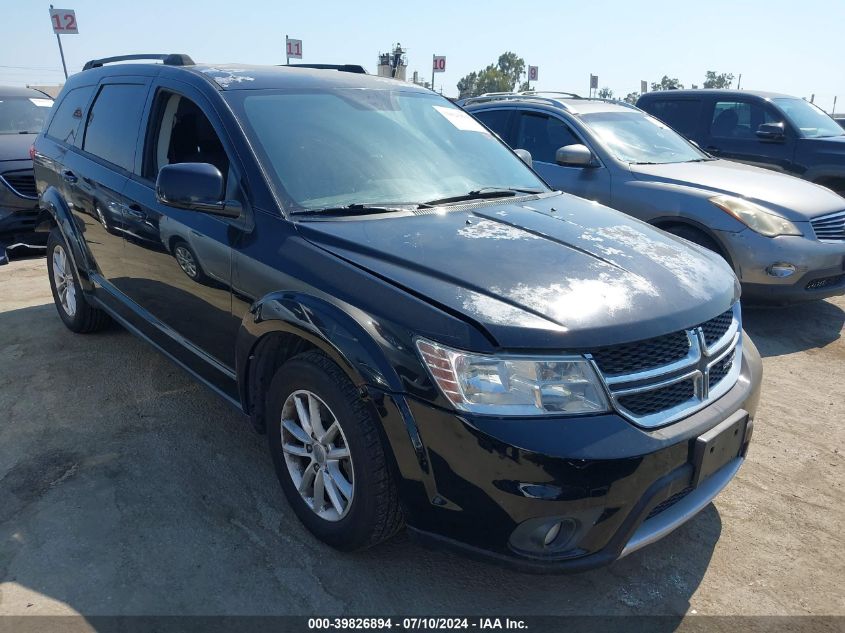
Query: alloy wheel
[[317, 455], [186, 261], [63, 280]]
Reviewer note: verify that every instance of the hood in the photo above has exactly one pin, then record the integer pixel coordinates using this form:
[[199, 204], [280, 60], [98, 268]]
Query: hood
[[795, 199], [16, 146], [557, 272]]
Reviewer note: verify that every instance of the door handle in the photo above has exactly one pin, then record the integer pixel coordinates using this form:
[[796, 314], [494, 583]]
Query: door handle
[[69, 176], [135, 211]]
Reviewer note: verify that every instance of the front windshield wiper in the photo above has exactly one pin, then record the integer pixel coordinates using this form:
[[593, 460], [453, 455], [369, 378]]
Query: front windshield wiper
[[478, 194], [356, 208]]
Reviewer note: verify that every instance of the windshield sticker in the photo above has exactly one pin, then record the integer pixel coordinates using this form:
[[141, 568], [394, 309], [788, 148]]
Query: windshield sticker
[[460, 119], [42, 103]]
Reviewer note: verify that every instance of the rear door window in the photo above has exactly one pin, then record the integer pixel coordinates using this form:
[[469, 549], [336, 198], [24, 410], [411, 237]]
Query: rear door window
[[543, 135], [680, 114], [111, 131], [64, 125]]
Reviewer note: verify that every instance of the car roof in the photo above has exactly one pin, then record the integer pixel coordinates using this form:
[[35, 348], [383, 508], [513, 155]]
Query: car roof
[[227, 77], [659, 94], [16, 91], [574, 105]]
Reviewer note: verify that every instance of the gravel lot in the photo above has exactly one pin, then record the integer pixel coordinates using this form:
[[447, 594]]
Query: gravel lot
[[128, 488]]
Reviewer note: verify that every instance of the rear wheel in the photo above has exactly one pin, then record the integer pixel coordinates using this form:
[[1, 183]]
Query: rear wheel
[[329, 456], [188, 262], [73, 308]]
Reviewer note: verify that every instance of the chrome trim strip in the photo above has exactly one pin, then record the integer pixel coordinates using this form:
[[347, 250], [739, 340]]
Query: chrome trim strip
[[676, 515], [655, 372]]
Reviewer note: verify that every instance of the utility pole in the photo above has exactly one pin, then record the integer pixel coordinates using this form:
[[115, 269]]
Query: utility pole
[[739, 82]]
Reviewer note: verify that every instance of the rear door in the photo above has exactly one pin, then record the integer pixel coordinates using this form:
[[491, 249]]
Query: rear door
[[499, 120], [732, 124], [94, 177], [542, 134]]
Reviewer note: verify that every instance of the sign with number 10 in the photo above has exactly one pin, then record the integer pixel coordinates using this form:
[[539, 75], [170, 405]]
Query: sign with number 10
[[439, 64], [64, 21]]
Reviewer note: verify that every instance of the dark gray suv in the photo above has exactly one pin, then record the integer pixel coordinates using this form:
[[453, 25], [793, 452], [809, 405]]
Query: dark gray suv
[[784, 237]]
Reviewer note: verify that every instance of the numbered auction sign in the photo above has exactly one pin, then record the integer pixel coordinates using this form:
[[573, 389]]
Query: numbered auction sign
[[439, 64], [64, 21], [533, 73], [294, 48]]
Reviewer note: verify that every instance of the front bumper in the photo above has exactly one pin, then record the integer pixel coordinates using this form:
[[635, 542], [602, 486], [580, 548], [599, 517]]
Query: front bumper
[[820, 267], [624, 487]]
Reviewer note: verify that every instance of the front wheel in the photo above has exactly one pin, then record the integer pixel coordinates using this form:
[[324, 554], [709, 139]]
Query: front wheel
[[73, 308], [329, 456]]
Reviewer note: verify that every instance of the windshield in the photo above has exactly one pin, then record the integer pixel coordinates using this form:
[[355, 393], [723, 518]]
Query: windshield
[[634, 137], [809, 119], [21, 115], [353, 146]]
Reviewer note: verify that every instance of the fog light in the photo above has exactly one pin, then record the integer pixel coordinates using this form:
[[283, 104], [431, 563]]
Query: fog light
[[544, 536], [781, 269], [551, 535]]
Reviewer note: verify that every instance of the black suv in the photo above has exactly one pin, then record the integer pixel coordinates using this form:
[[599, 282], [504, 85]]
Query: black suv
[[427, 333], [766, 129]]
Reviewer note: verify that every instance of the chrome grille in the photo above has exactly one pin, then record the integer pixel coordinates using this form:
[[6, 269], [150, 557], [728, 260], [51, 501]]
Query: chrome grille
[[21, 182], [671, 385], [830, 228]]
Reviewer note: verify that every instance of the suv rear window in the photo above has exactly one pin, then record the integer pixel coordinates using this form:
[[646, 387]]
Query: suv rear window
[[112, 128], [680, 114], [65, 122]]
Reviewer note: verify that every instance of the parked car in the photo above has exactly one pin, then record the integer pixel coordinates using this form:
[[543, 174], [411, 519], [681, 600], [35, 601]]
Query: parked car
[[766, 129], [425, 331], [784, 237], [839, 117], [22, 113]]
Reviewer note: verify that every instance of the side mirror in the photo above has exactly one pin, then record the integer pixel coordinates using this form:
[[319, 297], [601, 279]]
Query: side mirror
[[771, 131], [196, 187], [574, 156], [525, 155]]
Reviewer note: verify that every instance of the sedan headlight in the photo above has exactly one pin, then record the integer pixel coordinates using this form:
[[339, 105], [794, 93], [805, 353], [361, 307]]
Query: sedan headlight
[[755, 217], [514, 385]]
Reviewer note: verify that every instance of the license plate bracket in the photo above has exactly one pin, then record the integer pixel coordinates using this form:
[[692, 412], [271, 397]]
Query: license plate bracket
[[718, 446]]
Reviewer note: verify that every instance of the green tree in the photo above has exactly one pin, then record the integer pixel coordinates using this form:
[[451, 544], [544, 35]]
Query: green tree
[[503, 76], [718, 80], [605, 93], [667, 83], [632, 98]]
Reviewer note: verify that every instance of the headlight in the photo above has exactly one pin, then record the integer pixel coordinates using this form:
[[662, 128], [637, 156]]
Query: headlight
[[514, 385], [755, 217]]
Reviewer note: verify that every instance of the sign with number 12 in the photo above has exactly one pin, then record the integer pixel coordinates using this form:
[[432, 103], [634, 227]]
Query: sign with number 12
[[64, 21]]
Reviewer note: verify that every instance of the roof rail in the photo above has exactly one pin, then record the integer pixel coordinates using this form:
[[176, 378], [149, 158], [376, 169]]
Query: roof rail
[[515, 96], [344, 68], [569, 95], [170, 59]]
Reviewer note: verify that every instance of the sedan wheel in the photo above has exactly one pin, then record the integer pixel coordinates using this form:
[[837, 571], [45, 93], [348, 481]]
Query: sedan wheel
[[186, 261], [317, 455]]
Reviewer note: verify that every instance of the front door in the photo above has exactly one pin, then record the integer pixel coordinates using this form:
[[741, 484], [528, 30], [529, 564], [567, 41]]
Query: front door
[[543, 134], [179, 262], [733, 134]]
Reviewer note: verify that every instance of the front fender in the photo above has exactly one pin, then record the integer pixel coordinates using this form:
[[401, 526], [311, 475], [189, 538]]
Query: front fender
[[53, 204]]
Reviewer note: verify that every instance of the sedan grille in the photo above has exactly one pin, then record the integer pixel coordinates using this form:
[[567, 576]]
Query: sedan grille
[[21, 182], [830, 228], [660, 380]]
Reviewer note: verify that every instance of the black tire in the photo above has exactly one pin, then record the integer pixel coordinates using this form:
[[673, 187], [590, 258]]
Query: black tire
[[85, 318], [696, 237], [198, 274], [374, 514]]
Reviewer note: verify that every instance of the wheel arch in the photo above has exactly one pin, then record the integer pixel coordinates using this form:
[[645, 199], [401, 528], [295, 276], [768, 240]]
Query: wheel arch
[[667, 223], [54, 212], [284, 324]]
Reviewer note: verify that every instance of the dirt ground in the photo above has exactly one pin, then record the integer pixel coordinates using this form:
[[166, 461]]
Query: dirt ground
[[128, 488]]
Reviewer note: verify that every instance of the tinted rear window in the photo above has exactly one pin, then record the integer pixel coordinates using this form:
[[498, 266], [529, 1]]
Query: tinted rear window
[[65, 124], [496, 120], [680, 114], [112, 128]]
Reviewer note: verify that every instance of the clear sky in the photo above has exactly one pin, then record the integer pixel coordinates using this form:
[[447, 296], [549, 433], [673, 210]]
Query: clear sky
[[784, 46]]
